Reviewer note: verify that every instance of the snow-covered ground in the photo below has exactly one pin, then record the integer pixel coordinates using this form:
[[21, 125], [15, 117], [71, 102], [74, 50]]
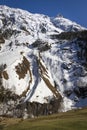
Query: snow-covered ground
[[22, 29]]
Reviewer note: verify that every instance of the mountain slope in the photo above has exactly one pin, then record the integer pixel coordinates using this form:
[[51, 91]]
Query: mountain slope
[[41, 62]]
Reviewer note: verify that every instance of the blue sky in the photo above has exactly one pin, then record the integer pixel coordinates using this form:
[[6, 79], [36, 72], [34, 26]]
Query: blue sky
[[74, 10]]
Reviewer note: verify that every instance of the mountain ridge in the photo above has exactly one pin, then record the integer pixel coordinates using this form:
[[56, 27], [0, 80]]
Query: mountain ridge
[[41, 59]]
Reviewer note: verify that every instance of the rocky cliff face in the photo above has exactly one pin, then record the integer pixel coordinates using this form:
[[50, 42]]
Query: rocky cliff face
[[43, 64]]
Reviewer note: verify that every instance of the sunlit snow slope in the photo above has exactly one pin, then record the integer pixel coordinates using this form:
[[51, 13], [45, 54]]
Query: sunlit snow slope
[[35, 64]]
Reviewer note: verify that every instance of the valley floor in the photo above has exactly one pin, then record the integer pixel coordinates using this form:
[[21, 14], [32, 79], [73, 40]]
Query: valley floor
[[72, 120]]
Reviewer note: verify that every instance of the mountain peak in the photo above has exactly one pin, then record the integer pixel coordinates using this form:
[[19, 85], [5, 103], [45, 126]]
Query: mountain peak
[[66, 24], [42, 60]]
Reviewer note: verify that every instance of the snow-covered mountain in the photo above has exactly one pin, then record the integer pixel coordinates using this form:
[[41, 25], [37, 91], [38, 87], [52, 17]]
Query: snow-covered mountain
[[42, 59], [66, 24]]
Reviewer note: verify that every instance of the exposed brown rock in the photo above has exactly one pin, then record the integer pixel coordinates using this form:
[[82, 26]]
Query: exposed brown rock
[[23, 68], [5, 75]]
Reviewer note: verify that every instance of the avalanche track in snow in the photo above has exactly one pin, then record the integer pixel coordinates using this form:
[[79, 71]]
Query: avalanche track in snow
[[42, 58]]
